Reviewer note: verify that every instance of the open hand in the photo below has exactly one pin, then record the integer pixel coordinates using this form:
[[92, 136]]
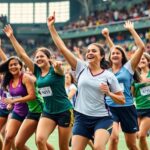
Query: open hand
[[129, 25], [8, 30]]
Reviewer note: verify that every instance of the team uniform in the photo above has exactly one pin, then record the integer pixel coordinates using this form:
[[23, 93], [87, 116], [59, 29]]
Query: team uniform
[[142, 98], [4, 112], [125, 114], [91, 112], [56, 104], [35, 106], [20, 110]]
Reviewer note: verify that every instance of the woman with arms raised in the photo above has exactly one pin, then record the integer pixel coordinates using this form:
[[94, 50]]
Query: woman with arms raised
[[92, 119], [124, 71], [51, 81]]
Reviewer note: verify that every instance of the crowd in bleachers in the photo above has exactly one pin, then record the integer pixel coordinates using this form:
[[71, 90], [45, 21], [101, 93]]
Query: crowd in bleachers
[[97, 18]]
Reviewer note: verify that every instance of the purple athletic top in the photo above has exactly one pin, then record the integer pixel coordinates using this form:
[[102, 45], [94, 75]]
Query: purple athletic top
[[20, 91], [2, 94]]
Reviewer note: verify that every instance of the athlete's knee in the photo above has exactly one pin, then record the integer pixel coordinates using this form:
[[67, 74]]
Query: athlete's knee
[[114, 139], [19, 145], [64, 147], [131, 145], [40, 140], [9, 138], [142, 135]]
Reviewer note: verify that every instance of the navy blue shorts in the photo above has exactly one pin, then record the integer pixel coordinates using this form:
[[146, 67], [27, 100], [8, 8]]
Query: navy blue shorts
[[14, 115], [86, 125], [143, 112], [127, 116], [64, 119], [33, 116], [4, 113]]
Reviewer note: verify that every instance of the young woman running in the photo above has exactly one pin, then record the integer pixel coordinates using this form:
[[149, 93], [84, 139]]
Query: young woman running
[[124, 70], [92, 119], [142, 99], [4, 112], [20, 87], [29, 125], [50, 80]]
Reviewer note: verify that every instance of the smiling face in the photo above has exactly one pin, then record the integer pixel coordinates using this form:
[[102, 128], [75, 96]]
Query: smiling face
[[93, 54], [41, 59], [143, 62], [14, 67], [116, 57]]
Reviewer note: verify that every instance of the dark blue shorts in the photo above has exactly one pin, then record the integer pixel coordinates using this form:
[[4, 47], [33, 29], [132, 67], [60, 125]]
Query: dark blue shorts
[[4, 113], [143, 113], [64, 119], [14, 115], [127, 116], [86, 125], [33, 116]]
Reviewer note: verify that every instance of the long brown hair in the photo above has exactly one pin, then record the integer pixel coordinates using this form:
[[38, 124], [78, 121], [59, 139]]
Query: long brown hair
[[4, 69], [104, 63], [124, 56]]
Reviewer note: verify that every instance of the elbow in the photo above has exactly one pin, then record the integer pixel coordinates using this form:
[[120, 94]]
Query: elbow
[[32, 97], [142, 47]]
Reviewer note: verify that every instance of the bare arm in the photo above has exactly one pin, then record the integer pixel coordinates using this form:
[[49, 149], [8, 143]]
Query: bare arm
[[118, 97], [18, 48], [78, 53], [29, 84], [139, 43], [2, 54], [105, 33], [132, 90], [72, 93], [60, 44]]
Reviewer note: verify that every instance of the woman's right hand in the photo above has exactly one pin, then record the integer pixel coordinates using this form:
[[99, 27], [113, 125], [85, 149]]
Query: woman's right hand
[[51, 20], [8, 31], [105, 32]]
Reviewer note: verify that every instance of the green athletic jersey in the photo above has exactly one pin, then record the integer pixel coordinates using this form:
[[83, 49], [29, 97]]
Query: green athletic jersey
[[52, 89], [36, 106], [142, 94]]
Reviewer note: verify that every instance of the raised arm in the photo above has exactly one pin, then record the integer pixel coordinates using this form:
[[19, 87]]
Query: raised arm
[[18, 48], [139, 43], [105, 33], [2, 54], [60, 44]]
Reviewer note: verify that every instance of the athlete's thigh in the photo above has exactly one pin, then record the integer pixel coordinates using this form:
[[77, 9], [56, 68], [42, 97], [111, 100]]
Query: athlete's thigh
[[45, 127], [27, 128]]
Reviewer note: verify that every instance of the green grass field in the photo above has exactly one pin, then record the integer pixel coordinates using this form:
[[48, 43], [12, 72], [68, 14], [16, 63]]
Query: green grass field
[[54, 141]]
